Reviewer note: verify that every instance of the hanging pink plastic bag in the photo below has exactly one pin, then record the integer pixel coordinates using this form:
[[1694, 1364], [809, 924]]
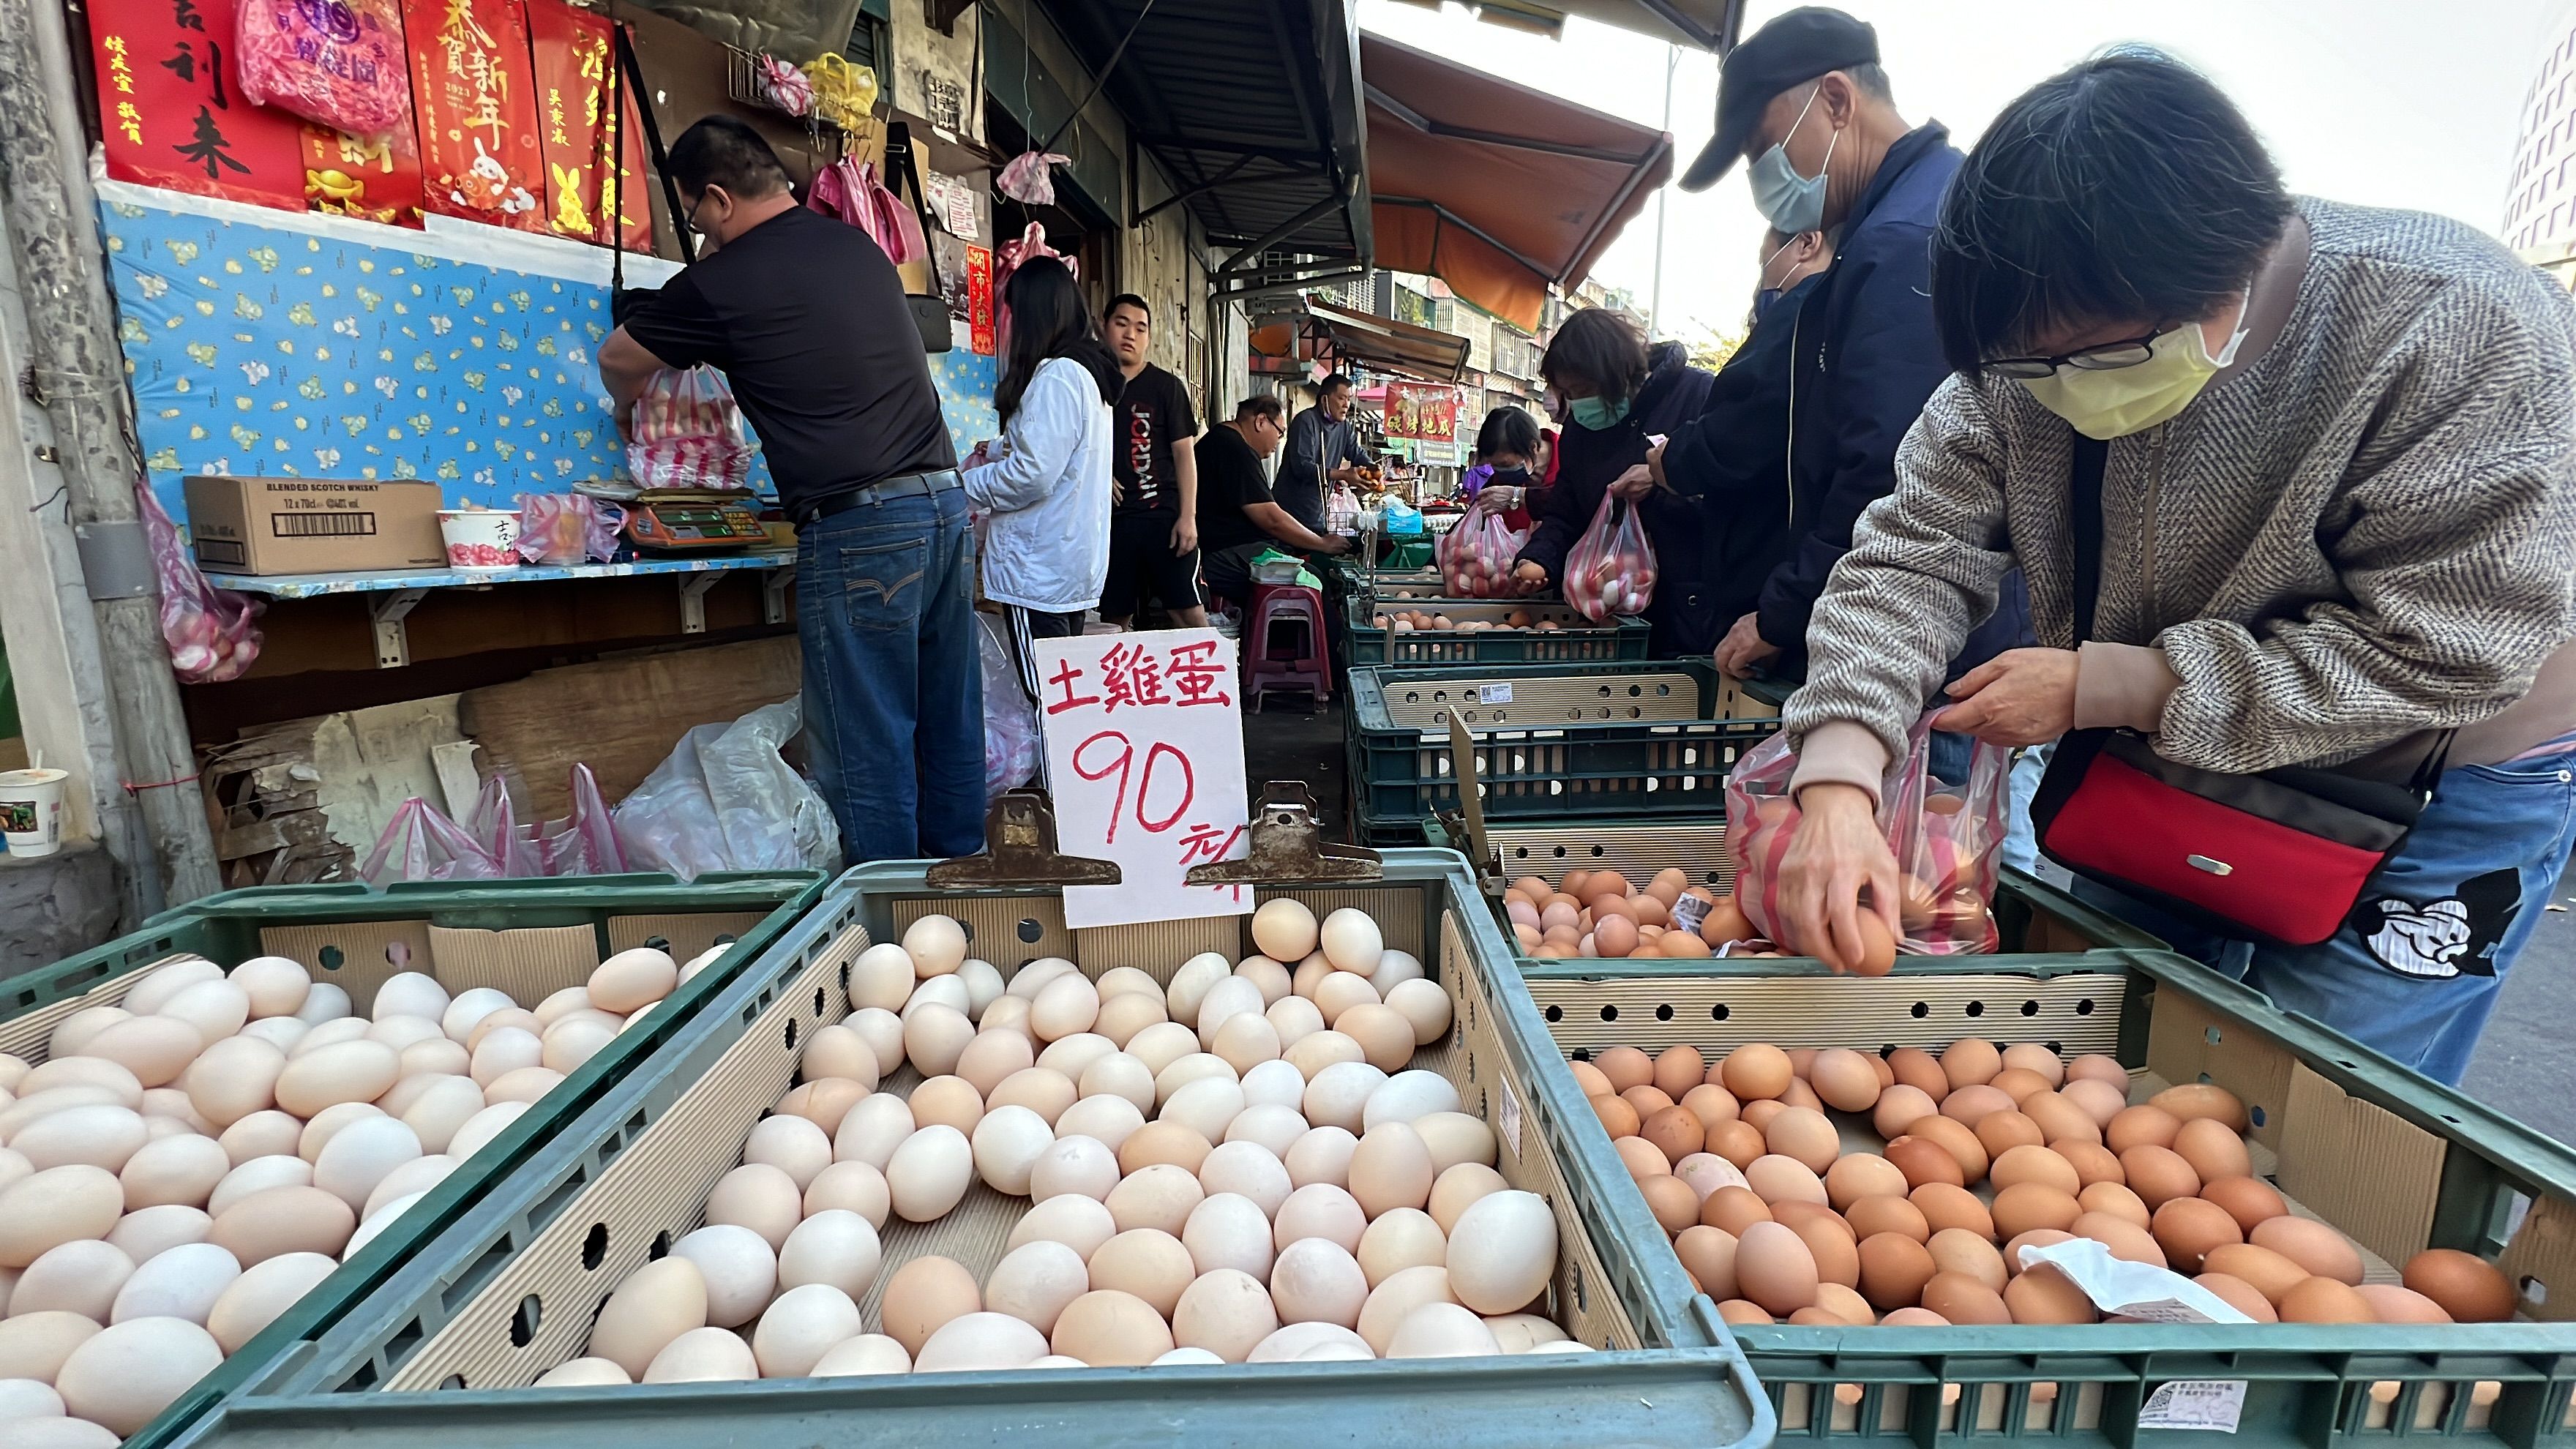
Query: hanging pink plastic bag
[[1477, 557], [209, 630], [582, 843], [687, 433], [421, 843], [1029, 178], [337, 62], [1611, 569], [1947, 837], [568, 528], [850, 191]]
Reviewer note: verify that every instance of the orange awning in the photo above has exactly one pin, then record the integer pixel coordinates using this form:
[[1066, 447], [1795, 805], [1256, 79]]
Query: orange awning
[[1496, 188]]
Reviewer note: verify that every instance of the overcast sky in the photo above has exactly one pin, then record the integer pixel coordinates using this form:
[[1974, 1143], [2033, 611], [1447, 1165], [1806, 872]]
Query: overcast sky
[[2385, 102]]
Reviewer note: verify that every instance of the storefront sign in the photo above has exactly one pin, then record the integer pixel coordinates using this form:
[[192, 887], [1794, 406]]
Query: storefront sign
[[1144, 751], [979, 300], [171, 109], [1421, 410], [477, 116], [572, 49]]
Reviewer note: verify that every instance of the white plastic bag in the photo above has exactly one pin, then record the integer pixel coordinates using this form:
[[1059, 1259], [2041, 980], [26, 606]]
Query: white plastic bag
[[726, 800], [1011, 740]]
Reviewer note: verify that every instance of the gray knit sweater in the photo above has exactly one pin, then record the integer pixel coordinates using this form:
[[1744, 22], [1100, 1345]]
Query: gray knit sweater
[[2365, 532]]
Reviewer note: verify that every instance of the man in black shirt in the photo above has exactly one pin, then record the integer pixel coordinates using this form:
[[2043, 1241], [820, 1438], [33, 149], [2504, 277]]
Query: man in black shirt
[[1241, 517], [806, 318], [1153, 524]]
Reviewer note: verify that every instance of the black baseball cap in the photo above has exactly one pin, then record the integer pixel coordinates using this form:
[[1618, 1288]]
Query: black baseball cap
[[1793, 49]]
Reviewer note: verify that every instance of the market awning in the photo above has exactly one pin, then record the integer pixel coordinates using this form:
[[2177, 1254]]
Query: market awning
[[1384, 344], [1496, 188], [1705, 24], [1253, 111]]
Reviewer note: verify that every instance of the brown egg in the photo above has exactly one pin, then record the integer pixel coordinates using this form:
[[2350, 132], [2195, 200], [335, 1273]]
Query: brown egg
[[1774, 1268], [1642, 1158], [2158, 1175], [1709, 1255], [1806, 1135], [1726, 921], [1799, 1094], [2117, 1201], [2035, 1238], [2018, 1084], [1958, 1250], [2046, 1296], [1576, 883], [1616, 937], [1682, 945], [1900, 1106], [1672, 1202], [2141, 1126], [1677, 1133], [2100, 1100], [1945, 1205], [1711, 1104], [1878, 1067], [1820, 1316], [1668, 884], [1857, 1175], [1844, 1079], [2324, 1300], [2213, 1149], [1870, 1216], [1777, 1178], [923, 1294], [1971, 1061], [1921, 1160], [2124, 1238], [1626, 1067], [1755, 1071], [1530, 886], [1970, 1105], [1603, 907], [1617, 1117], [2267, 1272], [1678, 1070], [2202, 1099], [2031, 1056], [1590, 1079], [2026, 1205], [2034, 1164], [1738, 1310], [2249, 1200], [2060, 1120], [1845, 1304], [1962, 1299], [1830, 1244], [1758, 1114], [1893, 1270], [1798, 1213], [1738, 1142], [2239, 1295], [2092, 1162], [1650, 911], [1959, 1141], [2000, 1132], [1877, 946], [2392, 1304], [2188, 1228], [2094, 1066], [2466, 1286], [1919, 1069], [1610, 883], [2313, 1246], [1910, 1318], [1734, 1209], [1647, 1098]]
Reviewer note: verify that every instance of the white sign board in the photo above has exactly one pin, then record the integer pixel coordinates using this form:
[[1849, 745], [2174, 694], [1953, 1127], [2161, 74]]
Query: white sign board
[[1144, 751]]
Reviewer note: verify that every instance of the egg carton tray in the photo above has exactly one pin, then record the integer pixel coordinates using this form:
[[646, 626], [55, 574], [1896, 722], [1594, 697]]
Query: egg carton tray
[[529, 938], [443, 1350], [2397, 1162], [1576, 639], [1555, 742]]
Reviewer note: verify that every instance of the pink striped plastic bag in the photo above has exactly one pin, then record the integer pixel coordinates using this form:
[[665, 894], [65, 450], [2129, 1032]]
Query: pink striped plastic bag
[[337, 62], [687, 433]]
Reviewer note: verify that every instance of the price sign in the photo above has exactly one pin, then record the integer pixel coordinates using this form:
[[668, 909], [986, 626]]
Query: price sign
[[1144, 750]]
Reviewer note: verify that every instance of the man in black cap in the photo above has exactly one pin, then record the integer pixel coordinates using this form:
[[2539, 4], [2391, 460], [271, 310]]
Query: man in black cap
[[1804, 100]]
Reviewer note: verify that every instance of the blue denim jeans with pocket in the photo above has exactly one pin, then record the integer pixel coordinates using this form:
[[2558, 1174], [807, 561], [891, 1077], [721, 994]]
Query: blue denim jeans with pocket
[[2414, 972], [894, 682]]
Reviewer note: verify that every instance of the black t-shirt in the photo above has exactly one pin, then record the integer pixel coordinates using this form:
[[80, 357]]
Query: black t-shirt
[[806, 318], [1153, 415], [1229, 479]]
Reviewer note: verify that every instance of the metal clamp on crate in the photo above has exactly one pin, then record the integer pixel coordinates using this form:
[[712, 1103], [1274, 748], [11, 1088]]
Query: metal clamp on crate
[[1019, 849], [1288, 847]]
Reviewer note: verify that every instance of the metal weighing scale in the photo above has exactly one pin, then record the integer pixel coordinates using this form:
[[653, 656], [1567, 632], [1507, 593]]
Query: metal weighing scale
[[686, 521]]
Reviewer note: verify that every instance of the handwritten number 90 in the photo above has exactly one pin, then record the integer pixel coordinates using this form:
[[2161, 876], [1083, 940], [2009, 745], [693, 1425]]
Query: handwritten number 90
[[1112, 753]]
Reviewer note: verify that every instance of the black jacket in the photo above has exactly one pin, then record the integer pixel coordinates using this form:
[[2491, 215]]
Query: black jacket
[[1587, 461], [1867, 359]]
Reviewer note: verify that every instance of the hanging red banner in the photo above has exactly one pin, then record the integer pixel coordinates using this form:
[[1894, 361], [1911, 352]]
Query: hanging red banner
[[574, 54], [475, 99], [979, 300], [171, 109]]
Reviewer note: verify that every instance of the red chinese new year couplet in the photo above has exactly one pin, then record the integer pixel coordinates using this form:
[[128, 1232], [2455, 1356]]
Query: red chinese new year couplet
[[979, 301], [1144, 751], [473, 92], [574, 55], [171, 109]]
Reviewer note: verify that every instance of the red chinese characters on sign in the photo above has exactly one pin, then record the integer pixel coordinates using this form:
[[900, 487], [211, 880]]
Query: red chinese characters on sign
[[171, 109], [1421, 410], [474, 96], [574, 58], [979, 301]]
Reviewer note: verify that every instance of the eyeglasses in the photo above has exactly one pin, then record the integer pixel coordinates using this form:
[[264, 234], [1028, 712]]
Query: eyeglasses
[[2107, 357]]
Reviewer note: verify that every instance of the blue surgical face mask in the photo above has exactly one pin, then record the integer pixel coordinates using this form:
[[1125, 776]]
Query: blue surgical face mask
[[1762, 301], [1597, 413], [1790, 202]]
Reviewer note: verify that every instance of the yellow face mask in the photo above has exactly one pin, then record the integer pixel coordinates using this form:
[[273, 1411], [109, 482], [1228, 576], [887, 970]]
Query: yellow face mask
[[2116, 402]]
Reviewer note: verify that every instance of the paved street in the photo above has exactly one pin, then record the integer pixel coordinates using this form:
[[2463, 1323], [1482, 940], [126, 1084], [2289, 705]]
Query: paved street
[[2526, 1064]]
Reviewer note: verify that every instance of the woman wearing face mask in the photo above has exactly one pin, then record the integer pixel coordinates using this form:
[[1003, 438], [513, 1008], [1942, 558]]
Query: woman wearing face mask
[[2320, 461], [1617, 392], [1507, 450]]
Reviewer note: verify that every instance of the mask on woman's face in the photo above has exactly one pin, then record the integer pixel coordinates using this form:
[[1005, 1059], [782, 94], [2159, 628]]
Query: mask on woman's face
[[2116, 402], [1509, 476], [1597, 413]]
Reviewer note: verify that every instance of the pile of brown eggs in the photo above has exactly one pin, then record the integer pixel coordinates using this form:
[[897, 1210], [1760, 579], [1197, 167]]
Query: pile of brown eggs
[[1601, 913], [1407, 621], [1989, 1150]]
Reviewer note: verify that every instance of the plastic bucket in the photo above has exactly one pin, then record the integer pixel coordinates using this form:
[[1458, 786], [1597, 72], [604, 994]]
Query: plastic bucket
[[31, 810], [480, 538]]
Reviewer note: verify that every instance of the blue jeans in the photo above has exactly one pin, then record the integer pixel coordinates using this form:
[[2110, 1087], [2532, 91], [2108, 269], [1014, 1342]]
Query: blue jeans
[[894, 683], [2413, 975]]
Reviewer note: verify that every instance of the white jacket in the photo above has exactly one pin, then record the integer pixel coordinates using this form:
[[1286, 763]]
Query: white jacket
[[1047, 546]]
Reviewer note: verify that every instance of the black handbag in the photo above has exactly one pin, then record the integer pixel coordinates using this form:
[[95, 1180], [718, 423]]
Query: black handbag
[[930, 313]]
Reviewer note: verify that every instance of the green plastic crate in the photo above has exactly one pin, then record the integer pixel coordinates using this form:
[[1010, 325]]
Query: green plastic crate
[[1553, 741], [500, 1296], [1575, 639], [359, 936], [2396, 1161]]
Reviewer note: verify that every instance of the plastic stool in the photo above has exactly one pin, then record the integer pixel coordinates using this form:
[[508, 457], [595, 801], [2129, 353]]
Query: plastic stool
[[1296, 662]]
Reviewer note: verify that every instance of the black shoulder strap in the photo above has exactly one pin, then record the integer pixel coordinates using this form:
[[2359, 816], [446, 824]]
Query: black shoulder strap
[[2085, 509], [903, 168]]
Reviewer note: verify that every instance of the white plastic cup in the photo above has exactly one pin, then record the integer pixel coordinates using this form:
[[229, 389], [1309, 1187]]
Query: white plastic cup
[[480, 538], [31, 810]]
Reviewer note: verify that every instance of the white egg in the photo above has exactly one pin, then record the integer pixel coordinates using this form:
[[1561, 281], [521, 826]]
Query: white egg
[[1322, 1155], [1294, 1018], [1082, 1165], [1073, 1055], [882, 1030], [216, 1009], [22, 1399], [324, 1002], [882, 977], [1425, 1005], [82, 1276], [482, 1127], [1394, 967], [929, 1173], [178, 1170], [1442, 1330], [1274, 1083], [1246, 1041], [1188, 1069], [349, 1071], [504, 1051], [259, 1175], [1007, 1143], [1408, 1096], [354, 1161], [1294, 1341], [1269, 975], [156, 987], [1160, 1046], [409, 993], [791, 1144], [1316, 1280], [1183, 1356], [73, 1033], [1319, 1210], [233, 1078], [934, 1037], [1351, 941], [1338, 1095], [702, 1356], [983, 984], [276, 986], [408, 1180], [740, 1270], [181, 1283], [1284, 929], [1078, 1221], [330, 1033], [1400, 1239], [1206, 1106], [1190, 984], [101, 1135], [1109, 1120], [470, 1006], [126, 1374], [1229, 1230], [852, 1186], [1032, 978], [1067, 1005], [1121, 1075], [978, 1341], [156, 1049], [1248, 1169], [1035, 1281], [441, 1108], [873, 1130], [796, 1330], [327, 1124], [1227, 1312], [1392, 1300], [657, 1303], [936, 944], [150, 1232], [281, 1032], [262, 1292], [583, 1373], [1159, 1196], [759, 1197], [945, 991], [1226, 998], [633, 979], [869, 1353], [1274, 1127], [1502, 1251]]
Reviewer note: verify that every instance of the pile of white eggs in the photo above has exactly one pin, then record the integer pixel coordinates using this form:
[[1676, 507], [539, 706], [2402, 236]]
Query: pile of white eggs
[[182, 1167], [1236, 1168]]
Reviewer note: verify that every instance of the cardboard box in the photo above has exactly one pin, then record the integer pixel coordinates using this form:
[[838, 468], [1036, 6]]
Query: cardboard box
[[313, 525]]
